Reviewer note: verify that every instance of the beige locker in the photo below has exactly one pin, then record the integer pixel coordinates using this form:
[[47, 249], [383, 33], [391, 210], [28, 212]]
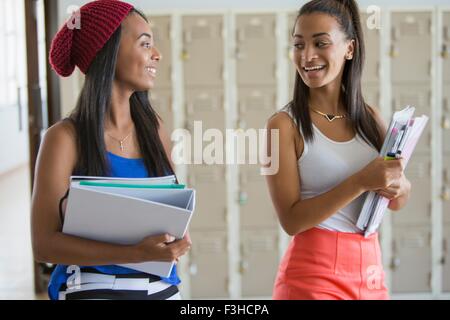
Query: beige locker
[[411, 260], [259, 261], [256, 49], [418, 96], [446, 118], [255, 106], [256, 208], [418, 209], [208, 264], [161, 101], [371, 93], [446, 259], [411, 47], [210, 185], [203, 50], [372, 42], [206, 105], [161, 31], [446, 47]]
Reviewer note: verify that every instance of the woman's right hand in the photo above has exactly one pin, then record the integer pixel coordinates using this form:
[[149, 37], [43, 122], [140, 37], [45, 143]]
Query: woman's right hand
[[162, 248], [380, 173]]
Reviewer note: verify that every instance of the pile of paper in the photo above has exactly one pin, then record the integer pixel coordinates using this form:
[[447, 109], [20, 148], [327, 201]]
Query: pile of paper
[[125, 211], [401, 139]]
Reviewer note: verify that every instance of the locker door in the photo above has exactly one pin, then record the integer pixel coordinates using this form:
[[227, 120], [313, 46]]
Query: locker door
[[446, 47], [256, 208], [256, 49], [208, 267], [259, 262], [209, 182], [206, 105], [411, 47], [203, 54], [410, 266], [256, 105], [161, 101], [419, 97], [446, 259], [161, 32], [418, 209], [372, 42]]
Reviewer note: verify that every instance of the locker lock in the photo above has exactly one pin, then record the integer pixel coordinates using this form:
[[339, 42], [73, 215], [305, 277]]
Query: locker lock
[[243, 198], [444, 52], [243, 267], [185, 55], [395, 263], [193, 269], [446, 194], [446, 123], [394, 53]]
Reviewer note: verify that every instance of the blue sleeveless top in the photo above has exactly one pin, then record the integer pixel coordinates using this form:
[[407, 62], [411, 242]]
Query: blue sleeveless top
[[120, 168]]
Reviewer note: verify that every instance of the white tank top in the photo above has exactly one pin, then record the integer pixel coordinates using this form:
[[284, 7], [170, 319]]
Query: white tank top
[[324, 164]]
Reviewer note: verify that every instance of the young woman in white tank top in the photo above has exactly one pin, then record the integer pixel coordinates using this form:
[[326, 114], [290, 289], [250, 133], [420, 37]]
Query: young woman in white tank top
[[329, 140]]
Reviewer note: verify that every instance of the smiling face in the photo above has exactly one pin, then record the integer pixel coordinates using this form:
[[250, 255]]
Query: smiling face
[[138, 57], [320, 49]]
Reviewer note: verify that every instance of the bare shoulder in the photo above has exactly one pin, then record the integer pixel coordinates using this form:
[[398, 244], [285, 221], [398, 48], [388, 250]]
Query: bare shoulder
[[59, 146], [288, 131]]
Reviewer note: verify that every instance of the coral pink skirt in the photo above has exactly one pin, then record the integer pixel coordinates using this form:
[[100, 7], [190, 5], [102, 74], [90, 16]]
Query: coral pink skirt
[[328, 265]]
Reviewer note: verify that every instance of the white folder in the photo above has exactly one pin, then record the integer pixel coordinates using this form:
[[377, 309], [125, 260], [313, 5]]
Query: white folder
[[127, 215]]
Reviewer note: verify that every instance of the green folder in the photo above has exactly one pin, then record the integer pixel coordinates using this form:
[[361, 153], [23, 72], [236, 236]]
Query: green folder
[[136, 186]]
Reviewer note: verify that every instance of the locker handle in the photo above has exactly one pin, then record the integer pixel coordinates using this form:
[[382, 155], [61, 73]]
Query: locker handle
[[395, 263], [444, 52], [444, 252]]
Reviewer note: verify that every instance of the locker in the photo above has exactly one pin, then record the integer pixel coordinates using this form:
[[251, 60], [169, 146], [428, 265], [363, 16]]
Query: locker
[[161, 101], [208, 264], [411, 256], [206, 105], [446, 47], [420, 98], [372, 42], [446, 259], [446, 188], [259, 262], [411, 47], [161, 31], [418, 208], [256, 209], [211, 208], [203, 52], [446, 118], [256, 49], [255, 106], [371, 93]]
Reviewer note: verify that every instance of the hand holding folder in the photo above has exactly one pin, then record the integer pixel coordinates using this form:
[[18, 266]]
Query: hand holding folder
[[401, 139], [125, 211]]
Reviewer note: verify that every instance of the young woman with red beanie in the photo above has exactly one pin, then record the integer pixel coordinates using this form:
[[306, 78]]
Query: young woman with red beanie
[[329, 141], [113, 131]]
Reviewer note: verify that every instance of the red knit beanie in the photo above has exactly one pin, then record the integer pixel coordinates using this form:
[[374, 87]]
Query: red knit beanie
[[73, 46]]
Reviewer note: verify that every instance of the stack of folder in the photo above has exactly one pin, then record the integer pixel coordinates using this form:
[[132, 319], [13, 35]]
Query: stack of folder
[[401, 139], [125, 211]]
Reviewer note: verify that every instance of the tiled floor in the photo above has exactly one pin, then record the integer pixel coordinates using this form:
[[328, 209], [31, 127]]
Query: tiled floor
[[16, 263]]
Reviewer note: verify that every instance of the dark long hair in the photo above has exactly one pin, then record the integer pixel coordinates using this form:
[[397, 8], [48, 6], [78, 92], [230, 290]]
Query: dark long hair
[[89, 115], [346, 13]]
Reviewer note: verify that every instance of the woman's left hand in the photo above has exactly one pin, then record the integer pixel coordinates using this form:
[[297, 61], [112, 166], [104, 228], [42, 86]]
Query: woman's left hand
[[397, 189]]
